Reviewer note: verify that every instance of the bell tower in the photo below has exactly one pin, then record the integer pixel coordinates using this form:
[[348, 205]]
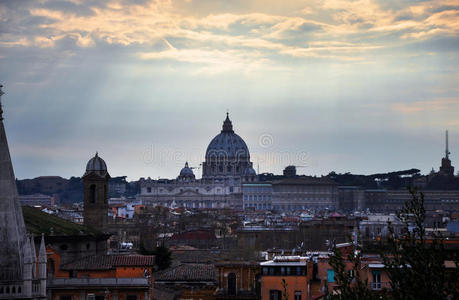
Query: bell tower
[[95, 181]]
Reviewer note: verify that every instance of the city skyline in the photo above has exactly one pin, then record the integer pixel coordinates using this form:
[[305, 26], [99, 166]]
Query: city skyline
[[345, 86]]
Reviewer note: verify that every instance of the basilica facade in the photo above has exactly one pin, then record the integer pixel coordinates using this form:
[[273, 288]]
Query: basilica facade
[[226, 167]]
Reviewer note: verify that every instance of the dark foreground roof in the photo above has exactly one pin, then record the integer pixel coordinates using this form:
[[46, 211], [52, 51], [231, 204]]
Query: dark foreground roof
[[107, 262], [38, 222], [188, 272]]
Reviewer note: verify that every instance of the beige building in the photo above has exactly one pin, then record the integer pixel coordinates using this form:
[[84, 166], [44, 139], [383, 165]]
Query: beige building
[[304, 192]]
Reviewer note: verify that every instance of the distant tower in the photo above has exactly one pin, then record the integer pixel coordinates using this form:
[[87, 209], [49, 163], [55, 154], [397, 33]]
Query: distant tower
[[290, 171], [446, 169], [447, 153], [95, 181]]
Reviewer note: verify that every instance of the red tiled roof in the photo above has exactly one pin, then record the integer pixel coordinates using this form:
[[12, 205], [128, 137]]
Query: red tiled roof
[[107, 262], [188, 272]]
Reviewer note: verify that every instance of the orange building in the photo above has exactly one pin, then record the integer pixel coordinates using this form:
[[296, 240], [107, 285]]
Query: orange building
[[100, 277], [237, 280], [370, 269], [290, 274]]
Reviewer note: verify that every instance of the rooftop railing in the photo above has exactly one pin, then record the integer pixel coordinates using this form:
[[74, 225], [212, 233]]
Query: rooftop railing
[[131, 282]]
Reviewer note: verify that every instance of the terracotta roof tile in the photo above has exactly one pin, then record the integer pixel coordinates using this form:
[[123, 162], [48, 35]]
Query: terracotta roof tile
[[107, 262], [188, 272]]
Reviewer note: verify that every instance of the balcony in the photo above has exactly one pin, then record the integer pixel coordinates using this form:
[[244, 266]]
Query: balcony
[[96, 282], [17, 290], [223, 294], [378, 286]]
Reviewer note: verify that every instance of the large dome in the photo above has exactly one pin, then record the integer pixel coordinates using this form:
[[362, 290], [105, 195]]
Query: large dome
[[227, 154], [96, 165], [227, 145]]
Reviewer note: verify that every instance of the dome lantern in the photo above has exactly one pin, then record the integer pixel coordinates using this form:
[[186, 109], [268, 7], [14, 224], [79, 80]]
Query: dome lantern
[[227, 125], [96, 165]]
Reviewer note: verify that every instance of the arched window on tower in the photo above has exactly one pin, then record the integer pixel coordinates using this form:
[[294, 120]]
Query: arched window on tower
[[105, 194], [92, 193]]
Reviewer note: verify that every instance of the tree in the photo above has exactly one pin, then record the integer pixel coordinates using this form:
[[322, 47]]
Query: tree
[[416, 267], [162, 256], [284, 290], [350, 286]]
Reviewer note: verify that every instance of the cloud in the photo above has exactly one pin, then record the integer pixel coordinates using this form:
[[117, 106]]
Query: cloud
[[449, 104], [349, 29]]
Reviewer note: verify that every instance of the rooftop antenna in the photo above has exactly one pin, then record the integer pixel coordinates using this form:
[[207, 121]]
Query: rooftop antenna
[[446, 150]]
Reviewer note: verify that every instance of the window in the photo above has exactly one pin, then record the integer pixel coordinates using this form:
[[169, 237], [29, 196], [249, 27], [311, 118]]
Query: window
[[51, 268], [265, 271], [376, 284], [92, 193], [148, 189], [105, 194], [131, 297], [275, 295], [231, 284], [297, 295], [66, 297], [330, 275]]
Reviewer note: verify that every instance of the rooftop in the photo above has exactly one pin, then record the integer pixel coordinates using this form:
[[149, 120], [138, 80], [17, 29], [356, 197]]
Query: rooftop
[[188, 272], [107, 262], [38, 222]]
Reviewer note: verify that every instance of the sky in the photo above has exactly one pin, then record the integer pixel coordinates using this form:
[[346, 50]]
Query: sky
[[361, 86]]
